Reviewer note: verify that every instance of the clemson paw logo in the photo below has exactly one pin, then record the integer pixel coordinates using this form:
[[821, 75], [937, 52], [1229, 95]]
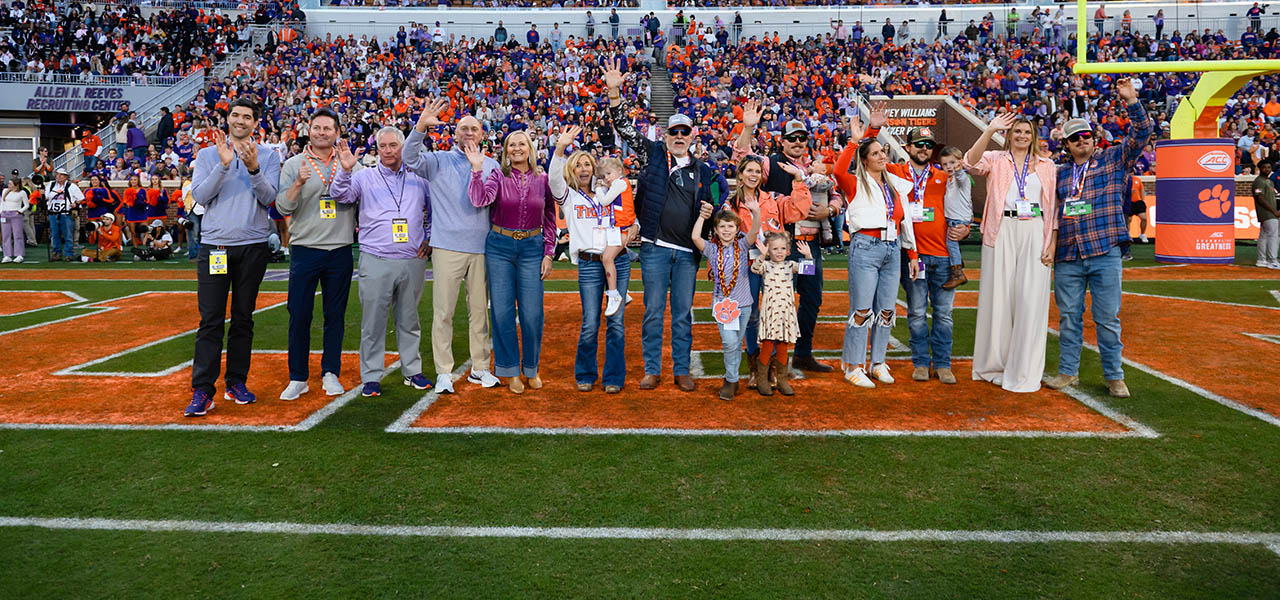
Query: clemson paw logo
[[726, 311], [1215, 202]]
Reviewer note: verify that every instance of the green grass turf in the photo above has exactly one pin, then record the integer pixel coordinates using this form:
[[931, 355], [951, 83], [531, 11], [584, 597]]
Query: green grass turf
[[1213, 469]]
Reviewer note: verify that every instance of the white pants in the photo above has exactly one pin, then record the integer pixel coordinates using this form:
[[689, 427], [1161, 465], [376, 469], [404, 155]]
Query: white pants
[[1268, 240], [1013, 308]]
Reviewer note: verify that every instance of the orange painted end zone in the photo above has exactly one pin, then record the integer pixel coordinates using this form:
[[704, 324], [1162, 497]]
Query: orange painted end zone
[[821, 402], [12, 302]]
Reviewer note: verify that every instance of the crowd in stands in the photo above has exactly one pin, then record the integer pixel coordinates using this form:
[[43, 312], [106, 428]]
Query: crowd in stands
[[119, 40]]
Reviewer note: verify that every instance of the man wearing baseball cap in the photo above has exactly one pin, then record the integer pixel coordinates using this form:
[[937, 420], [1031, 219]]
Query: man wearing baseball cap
[[1092, 189], [28, 217], [795, 150], [926, 205], [61, 199], [674, 186]]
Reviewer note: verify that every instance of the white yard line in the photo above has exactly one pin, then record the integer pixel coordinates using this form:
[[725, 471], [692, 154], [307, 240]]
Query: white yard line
[[403, 424], [73, 299], [1243, 538]]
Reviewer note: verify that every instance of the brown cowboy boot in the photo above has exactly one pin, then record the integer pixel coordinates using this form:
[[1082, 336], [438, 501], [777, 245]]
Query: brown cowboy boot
[[957, 278], [762, 379], [784, 386], [751, 379]]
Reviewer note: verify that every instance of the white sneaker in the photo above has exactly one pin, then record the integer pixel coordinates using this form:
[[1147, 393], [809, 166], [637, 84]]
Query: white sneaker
[[629, 298], [6, 260], [858, 377], [1144, 239], [444, 384], [484, 379], [615, 302], [331, 385], [1272, 265], [1262, 264], [881, 373], [84, 259], [18, 259], [294, 390]]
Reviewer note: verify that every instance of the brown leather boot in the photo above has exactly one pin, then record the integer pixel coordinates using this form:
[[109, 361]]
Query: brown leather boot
[[784, 385], [751, 379], [728, 390], [762, 379], [957, 278]]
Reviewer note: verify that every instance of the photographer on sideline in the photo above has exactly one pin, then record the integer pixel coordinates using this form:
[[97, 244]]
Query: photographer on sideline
[[156, 243], [106, 238]]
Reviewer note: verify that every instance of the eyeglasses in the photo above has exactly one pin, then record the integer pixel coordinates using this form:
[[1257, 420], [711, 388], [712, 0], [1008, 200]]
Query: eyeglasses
[[924, 144], [796, 137], [680, 131], [1075, 137]]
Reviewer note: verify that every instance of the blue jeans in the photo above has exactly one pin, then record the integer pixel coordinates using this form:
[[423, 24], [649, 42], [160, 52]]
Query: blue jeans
[[873, 289], [331, 270], [1101, 276], [953, 247], [514, 270], [90, 161], [929, 347], [666, 270], [809, 287], [752, 331], [732, 345], [61, 234], [193, 237], [591, 285], [837, 229]]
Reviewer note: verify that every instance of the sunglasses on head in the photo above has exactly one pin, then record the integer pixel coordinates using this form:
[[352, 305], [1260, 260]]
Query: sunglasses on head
[[680, 131], [1084, 135], [796, 137], [924, 144]]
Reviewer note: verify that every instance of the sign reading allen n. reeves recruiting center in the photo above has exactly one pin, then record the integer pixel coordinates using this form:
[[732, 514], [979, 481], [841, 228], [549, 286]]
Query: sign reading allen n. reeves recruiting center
[[74, 98]]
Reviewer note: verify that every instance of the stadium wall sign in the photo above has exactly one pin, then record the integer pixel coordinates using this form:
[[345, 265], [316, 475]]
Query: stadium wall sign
[[74, 98]]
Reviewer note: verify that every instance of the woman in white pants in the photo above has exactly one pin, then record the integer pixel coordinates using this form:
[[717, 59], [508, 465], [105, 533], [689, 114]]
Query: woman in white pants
[[1019, 231]]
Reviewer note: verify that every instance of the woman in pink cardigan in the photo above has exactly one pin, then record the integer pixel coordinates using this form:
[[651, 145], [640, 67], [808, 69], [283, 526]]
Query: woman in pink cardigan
[[1019, 231]]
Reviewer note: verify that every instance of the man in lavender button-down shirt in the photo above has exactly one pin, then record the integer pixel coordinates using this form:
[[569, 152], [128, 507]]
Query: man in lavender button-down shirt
[[393, 219]]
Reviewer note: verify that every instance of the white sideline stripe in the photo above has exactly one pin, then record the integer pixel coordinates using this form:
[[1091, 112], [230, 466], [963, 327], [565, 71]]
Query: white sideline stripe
[[74, 299], [1191, 387], [1137, 428], [1276, 295], [311, 421], [402, 424], [656, 533], [807, 433], [1274, 547], [1239, 304], [76, 370]]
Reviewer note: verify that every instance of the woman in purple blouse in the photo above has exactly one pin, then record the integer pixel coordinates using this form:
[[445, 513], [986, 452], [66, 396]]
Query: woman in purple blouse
[[517, 253]]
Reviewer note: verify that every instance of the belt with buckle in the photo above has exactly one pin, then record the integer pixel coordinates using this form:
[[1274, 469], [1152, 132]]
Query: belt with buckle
[[518, 234], [590, 256]]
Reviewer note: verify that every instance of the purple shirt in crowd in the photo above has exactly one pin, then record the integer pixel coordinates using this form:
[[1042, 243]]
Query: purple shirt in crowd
[[385, 195], [518, 201], [720, 268]]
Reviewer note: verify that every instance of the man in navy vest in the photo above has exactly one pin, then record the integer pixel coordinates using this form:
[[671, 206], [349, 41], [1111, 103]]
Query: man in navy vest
[[673, 186]]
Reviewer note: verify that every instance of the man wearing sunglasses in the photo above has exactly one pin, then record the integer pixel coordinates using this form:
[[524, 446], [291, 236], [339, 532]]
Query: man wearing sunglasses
[[1092, 188], [795, 150], [673, 186], [926, 205]]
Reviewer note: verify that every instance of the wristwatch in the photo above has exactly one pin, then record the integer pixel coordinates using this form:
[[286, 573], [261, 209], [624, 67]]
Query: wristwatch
[[255, 171]]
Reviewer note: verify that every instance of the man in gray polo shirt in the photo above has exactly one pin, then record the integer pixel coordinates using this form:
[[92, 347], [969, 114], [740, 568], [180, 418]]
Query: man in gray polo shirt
[[235, 180], [321, 231]]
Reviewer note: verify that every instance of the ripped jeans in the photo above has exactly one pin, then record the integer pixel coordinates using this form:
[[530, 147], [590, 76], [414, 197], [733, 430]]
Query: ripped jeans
[[874, 266]]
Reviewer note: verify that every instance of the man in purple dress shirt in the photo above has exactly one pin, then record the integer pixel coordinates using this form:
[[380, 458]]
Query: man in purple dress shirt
[[394, 220]]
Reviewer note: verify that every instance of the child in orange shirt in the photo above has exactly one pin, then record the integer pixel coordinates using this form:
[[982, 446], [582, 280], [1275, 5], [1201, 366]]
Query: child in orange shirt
[[619, 195]]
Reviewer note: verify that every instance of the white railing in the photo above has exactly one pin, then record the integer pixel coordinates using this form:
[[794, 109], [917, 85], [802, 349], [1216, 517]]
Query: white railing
[[148, 112], [91, 79]]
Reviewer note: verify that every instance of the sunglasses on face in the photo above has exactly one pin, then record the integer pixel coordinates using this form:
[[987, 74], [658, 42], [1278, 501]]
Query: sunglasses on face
[[680, 131], [796, 137], [1075, 137], [924, 144]]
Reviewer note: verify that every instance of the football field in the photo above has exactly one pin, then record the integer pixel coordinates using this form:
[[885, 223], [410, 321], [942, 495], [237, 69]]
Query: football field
[[914, 490]]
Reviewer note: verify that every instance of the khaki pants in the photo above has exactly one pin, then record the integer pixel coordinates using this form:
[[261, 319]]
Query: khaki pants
[[448, 270], [102, 255]]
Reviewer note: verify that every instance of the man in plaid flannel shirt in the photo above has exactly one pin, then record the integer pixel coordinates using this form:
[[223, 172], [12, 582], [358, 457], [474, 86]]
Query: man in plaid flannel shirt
[[1092, 188]]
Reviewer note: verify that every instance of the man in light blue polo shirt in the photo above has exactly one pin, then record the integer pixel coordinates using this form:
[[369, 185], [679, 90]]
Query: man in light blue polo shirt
[[457, 244]]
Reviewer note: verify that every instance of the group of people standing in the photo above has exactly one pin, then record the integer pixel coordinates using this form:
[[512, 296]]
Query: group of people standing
[[491, 225]]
